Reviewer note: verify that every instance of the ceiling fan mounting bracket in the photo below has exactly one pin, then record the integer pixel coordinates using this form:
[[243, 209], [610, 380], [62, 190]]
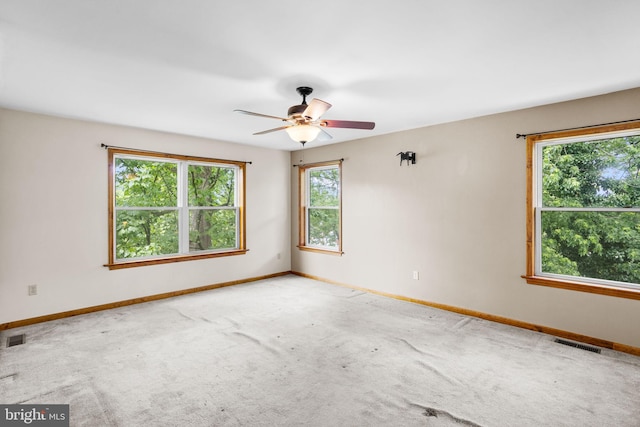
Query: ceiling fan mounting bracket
[[304, 91]]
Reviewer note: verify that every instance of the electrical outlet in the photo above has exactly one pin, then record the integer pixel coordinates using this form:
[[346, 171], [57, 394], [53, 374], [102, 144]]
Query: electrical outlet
[[33, 290], [416, 275]]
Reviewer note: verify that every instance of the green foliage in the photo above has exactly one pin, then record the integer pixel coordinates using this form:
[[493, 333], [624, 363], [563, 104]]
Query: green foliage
[[324, 187], [211, 186], [323, 210], [323, 227], [211, 229], [591, 243], [144, 183], [147, 216], [146, 233]]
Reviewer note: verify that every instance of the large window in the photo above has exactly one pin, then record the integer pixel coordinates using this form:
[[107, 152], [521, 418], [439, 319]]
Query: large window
[[167, 208], [584, 209], [320, 207]]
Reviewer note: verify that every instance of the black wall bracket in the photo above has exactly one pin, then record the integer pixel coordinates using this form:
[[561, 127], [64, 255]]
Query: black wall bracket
[[409, 156]]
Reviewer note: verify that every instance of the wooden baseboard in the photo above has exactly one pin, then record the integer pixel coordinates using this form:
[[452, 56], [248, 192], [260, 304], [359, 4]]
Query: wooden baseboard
[[498, 319], [71, 313]]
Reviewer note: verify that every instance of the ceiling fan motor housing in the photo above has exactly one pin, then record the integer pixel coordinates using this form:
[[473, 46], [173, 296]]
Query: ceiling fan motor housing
[[304, 91], [296, 109]]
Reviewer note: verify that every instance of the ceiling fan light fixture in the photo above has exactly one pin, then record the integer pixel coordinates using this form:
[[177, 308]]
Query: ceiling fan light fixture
[[303, 120], [303, 133]]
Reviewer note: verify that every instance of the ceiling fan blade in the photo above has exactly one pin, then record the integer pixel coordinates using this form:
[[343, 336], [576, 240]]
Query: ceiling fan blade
[[261, 115], [315, 109], [271, 130], [324, 135], [347, 124]]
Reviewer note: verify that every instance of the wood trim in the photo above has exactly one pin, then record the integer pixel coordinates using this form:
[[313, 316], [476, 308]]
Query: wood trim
[[530, 275], [144, 153], [320, 164], [493, 318], [140, 300], [173, 258], [530, 215], [585, 131], [498, 319], [242, 238], [583, 287], [302, 208], [111, 209], [322, 251]]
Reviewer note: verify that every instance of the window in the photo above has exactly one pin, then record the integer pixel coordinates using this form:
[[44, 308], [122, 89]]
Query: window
[[320, 207], [168, 208], [583, 210]]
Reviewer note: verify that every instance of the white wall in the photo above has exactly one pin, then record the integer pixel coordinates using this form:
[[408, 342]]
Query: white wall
[[53, 216], [458, 217]]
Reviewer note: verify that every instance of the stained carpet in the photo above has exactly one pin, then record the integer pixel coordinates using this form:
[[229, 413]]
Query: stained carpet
[[291, 351]]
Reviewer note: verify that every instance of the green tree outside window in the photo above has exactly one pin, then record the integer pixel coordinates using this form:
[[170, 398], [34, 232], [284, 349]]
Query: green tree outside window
[[165, 207], [589, 213]]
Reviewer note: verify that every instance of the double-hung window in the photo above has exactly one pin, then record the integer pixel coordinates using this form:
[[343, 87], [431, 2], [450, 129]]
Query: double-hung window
[[583, 228], [320, 217], [168, 208]]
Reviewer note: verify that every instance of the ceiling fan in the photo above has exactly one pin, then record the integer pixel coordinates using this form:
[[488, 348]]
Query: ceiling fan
[[304, 122]]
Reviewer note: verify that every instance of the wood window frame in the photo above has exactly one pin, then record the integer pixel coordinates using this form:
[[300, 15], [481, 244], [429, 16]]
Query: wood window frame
[[574, 284], [114, 264], [302, 208]]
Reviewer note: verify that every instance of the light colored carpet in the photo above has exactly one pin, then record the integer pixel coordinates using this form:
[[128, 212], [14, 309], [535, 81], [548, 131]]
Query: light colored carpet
[[292, 351]]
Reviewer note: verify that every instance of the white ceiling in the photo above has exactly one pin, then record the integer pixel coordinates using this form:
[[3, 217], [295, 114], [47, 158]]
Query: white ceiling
[[184, 65]]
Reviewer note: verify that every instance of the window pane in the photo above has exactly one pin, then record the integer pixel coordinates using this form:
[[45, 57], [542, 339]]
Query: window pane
[[323, 227], [600, 173], [145, 183], [146, 233], [212, 229], [600, 245], [211, 186], [324, 187]]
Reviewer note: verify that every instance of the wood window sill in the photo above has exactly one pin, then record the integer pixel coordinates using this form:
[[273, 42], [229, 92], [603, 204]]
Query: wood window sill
[[176, 258], [583, 287], [322, 251]]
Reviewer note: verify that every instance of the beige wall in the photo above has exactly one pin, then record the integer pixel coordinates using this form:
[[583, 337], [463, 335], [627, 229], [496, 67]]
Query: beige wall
[[458, 218], [53, 216]]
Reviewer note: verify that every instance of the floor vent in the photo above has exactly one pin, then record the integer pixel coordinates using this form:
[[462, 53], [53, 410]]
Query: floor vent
[[15, 340], [577, 345]]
